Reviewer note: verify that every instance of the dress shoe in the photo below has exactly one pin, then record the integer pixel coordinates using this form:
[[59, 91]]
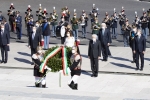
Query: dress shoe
[[132, 61], [75, 87], [2, 61], [92, 75], [141, 69], [44, 86], [5, 62], [37, 85], [103, 59], [95, 75], [137, 69], [71, 85]]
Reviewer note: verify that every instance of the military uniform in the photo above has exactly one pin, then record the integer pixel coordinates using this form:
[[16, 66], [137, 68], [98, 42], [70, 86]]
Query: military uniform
[[75, 70], [122, 20], [11, 15], [95, 28], [144, 24], [37, 58], [54, 21], [126, 28], [18, 26], [75, 27], [84, 23]]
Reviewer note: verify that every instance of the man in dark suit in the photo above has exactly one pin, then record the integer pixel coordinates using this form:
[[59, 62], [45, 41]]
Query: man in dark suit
[[34, 41], [139, 47], [104, 38], [4, 43], [18, 25], [94, 53]]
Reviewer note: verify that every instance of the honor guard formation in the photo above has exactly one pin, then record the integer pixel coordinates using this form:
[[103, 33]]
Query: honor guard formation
[[38, 33]]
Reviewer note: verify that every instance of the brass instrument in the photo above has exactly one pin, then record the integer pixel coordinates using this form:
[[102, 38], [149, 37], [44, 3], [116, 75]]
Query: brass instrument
[[126, 27], [74, 20], [105, 20]]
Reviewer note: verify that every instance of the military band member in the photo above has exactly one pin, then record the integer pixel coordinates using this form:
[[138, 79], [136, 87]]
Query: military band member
[[66, 13], [18, 21], [11, 15], [54, 21], [144, 24], [75, 27], [126, 28], [107, 20], [28, 15], [95, 27], [75, 68], [137, 21], [122, 18], [44, 14], [39, 13], [131, 40], [114, 20], [94, 14], [84, 23]]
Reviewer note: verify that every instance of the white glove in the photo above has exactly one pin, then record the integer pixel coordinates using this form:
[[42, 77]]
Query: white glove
[[34, 56], [46, 67], [68, 69]]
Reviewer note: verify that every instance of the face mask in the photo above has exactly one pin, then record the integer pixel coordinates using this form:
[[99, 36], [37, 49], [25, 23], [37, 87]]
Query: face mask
[[2, 28], [68, 34], [73, 51], [94, 39], [34, 30], [74, 16], [95, 14], [37, 25]]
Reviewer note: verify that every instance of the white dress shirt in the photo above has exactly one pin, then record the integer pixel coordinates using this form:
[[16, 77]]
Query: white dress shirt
[[69, 42]]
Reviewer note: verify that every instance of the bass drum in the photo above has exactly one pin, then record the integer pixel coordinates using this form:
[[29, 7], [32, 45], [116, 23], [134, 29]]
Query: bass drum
[[58, 30], [63, 30]]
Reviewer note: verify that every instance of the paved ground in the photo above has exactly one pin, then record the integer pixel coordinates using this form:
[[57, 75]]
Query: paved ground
[[17, 81]]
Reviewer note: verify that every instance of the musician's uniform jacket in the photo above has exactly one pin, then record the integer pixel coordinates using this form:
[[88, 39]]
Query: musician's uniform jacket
[[126, 30], [107, 22], [12, 18], [75, 65], [149, 23], [122, 19], [86, 21], [144, 24], [55, 21], [114, 22], [74, 22], [37, 61], [95, 30]]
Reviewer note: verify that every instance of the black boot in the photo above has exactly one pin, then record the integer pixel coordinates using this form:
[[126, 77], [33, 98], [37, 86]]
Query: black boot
[[75, 87], [44, 86], [37, 85], [71, 85]]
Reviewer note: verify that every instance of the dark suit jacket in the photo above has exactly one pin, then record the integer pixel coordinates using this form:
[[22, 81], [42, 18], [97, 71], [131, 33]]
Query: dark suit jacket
[[34, 43], [46, 31], [5, 38], [7, 26], [94, 50], [139, 45], [105, 39]]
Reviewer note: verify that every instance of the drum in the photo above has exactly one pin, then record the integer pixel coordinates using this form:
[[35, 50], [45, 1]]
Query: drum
[[58, 29], [63, 30]]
